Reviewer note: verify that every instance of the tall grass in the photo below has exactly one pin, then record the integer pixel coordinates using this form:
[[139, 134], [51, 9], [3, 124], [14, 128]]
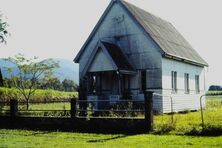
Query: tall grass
[[7, 94], [191, 123], [213, 93]]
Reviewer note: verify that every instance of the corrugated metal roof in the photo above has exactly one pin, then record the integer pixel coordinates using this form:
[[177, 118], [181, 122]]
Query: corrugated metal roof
[[165, 35]]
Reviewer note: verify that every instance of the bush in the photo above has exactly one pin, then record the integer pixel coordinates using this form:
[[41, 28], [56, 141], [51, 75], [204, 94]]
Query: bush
[[214, 93], [165, 128]]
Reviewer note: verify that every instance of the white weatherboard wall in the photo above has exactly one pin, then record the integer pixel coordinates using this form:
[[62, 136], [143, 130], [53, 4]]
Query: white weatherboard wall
[[181, 100]]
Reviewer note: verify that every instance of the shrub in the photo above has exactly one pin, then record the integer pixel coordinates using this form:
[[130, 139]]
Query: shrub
[[165, 128]]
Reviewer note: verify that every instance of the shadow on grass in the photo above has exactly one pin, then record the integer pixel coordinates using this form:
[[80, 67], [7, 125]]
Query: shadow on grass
[[101, 126], [41, 131], [107, 139], [206, 131], [36, 133]]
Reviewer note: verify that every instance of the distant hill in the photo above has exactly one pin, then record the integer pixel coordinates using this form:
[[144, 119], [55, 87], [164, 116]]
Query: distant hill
[[4, 64], [68, 69]]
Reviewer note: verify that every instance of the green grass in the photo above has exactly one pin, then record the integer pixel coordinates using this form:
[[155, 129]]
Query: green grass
[[214, 93], [7, 94], [186, 123], [24, 138], [170, 134], [63, 108]]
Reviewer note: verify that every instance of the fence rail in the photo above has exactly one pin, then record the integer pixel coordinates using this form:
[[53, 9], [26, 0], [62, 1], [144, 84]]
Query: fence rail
[[73, 105], [17, 108], [84, 109]]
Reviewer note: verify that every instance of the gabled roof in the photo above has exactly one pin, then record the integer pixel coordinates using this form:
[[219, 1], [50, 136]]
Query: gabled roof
[[162, 32], [165, 35], [118, 57], [115, 56]]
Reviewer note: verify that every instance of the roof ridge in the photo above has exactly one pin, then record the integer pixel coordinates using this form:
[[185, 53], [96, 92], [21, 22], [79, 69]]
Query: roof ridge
[[145, 11], [164, 34]]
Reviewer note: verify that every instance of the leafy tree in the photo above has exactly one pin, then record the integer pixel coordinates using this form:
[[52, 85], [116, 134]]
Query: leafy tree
[[3, 34], [3, 30], [8, 83], [50, 83], [1, 79], [55, 84], [30, 71], [69, 85], [215, 88]]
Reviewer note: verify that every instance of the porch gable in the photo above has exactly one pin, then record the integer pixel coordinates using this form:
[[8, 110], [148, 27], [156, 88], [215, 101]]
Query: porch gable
[[108, 57], [102, 62]]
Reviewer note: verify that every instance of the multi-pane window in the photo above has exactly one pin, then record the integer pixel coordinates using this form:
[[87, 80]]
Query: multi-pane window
[[186, 82], [197, 84], [174, 81]]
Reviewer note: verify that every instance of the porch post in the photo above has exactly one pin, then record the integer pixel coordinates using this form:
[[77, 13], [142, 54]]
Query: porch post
[[148, 98], [83, 96], [119, 81], [100, 85]]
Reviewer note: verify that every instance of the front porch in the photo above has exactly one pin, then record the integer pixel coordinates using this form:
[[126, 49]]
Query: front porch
[[110, 85], [108, 74]]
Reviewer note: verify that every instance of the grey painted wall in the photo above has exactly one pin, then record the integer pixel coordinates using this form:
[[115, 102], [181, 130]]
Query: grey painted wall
[[143, 53], [119, 28]]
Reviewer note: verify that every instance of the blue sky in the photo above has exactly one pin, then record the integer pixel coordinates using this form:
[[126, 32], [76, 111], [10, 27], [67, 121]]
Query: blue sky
[[58, 28]]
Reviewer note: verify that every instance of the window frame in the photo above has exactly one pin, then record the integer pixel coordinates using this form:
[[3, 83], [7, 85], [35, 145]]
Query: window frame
[[174, 81], [186, 83], [197, 84]]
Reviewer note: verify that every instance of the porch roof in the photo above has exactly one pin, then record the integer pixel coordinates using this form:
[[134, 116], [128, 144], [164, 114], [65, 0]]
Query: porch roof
[[108, 57], [118, 57]]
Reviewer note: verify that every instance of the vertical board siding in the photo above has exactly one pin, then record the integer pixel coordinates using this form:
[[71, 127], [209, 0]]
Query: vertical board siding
[[140, 50], [144, 54], [101, 63]]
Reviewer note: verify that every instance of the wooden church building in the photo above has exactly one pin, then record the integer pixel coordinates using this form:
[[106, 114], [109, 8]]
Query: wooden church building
[[131, 50]]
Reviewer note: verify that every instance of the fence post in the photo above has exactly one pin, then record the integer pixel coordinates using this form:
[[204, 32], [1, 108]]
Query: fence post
[[83, 97], [148, 98], [73, 107], [201, 110], [13, 107]]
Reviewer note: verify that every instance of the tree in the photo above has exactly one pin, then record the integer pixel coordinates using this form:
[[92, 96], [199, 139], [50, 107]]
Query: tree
[[3, 30], [29, 73], [3, 34], [8, 82], [50, 83], [215, 88], [69, 85], [1, 79]]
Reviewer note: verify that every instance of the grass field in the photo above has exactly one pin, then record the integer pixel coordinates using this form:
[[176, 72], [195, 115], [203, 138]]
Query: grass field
[[191, 121], [183, 123], [6, 94], [24, 138], [166, 133]]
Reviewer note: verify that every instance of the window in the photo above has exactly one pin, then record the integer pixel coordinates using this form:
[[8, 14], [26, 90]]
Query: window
[[197, 84], [186, 83], [174, 81], [143, 80]]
